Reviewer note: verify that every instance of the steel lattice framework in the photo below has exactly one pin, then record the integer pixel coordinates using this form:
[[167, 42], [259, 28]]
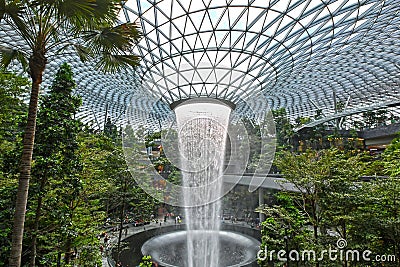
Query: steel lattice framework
[[297, 54]]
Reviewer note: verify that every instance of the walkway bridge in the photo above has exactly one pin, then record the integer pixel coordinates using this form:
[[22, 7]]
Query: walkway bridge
[[270, 181]]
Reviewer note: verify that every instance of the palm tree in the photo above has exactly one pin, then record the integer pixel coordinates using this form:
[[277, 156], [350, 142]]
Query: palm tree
[[51, 28]]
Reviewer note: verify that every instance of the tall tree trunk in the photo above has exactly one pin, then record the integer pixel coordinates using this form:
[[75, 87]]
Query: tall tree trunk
[[59, 259], [68, 250], [68, 243], [36, 229], [121, 218], [315, 224], [38, 214], [37, 65]]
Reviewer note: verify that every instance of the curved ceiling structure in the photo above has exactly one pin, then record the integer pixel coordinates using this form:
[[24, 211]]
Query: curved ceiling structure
[[296, 54]]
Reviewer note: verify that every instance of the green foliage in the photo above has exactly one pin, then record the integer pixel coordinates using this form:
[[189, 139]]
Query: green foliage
[[55, 28], [146, 262], [79, 178], [383, 197], [8, 189], [12, 113], [61, 192], [332, 202], [161, 163], [110, 130], [391, 158], [375, 118], [284, 129], [301, 121], [284, 228], [85, 26]]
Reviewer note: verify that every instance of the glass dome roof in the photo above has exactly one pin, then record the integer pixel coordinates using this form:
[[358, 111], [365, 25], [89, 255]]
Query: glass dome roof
[[295, 54]]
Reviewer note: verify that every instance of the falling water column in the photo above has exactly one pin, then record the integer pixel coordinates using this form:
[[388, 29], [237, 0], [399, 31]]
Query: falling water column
[[202, 131]]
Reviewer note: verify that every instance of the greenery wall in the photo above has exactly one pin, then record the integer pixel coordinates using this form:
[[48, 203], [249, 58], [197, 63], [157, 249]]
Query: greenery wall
[[334, 201], [343, 191], [79, 178]]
